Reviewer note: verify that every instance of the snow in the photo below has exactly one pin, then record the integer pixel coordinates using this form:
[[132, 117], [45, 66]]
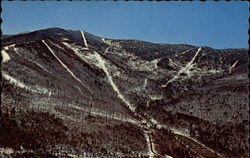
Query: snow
[[39, 65], [16, 51], [89, 58], [232, 67], [143, 65], [145, 83], [18, 83], [7, 151], [106, 41], [156, 97], [84, 39], [102, 65], [149, 147], [106, 50], [152, 65], [185, 69], [180, 132], [115, 116], [5, 56], [155, 62], [49, 93], [172, 63], [70, 72], [72, 47], [213, 71], [185, 51], [15, 81]]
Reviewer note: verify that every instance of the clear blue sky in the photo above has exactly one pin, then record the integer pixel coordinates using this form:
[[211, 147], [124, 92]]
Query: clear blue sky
[[214, 24]]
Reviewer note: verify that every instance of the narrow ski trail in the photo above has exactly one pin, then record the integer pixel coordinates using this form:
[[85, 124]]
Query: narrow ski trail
[[84, 39], [65, 67], [22, 85], [102, 65]]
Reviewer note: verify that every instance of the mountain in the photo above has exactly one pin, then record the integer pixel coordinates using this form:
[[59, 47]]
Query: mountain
[[68, 93]]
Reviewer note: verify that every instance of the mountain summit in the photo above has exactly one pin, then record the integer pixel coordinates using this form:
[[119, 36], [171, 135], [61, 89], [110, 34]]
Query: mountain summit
[[70, 93]]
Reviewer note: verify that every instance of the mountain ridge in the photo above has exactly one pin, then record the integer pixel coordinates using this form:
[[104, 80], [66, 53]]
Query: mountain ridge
[[57, 29]]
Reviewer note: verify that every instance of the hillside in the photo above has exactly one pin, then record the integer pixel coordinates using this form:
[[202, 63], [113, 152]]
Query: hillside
[[68, 93]]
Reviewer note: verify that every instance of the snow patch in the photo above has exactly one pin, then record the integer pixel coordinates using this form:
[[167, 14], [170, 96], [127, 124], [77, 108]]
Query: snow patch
[[89, 57], [183, 132], [106, 41], [155, 62], [145, 83], [172, 63], [233, 66], [142, 65], [185, 51], [156, 97], [7, 151], [5, 56], [106, 50]]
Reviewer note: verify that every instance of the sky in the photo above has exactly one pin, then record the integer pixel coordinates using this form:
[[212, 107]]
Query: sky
[[215, 24]]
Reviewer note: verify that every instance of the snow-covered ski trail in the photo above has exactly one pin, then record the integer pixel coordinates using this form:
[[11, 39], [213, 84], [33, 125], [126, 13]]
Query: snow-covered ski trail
[[71, 73], [232, 67], [84, 39], [5, 55], [186, 51], [26, 87], [104, 114], [102, 65], [15, 81], [184, 69], [150, 152], [145, 83]]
